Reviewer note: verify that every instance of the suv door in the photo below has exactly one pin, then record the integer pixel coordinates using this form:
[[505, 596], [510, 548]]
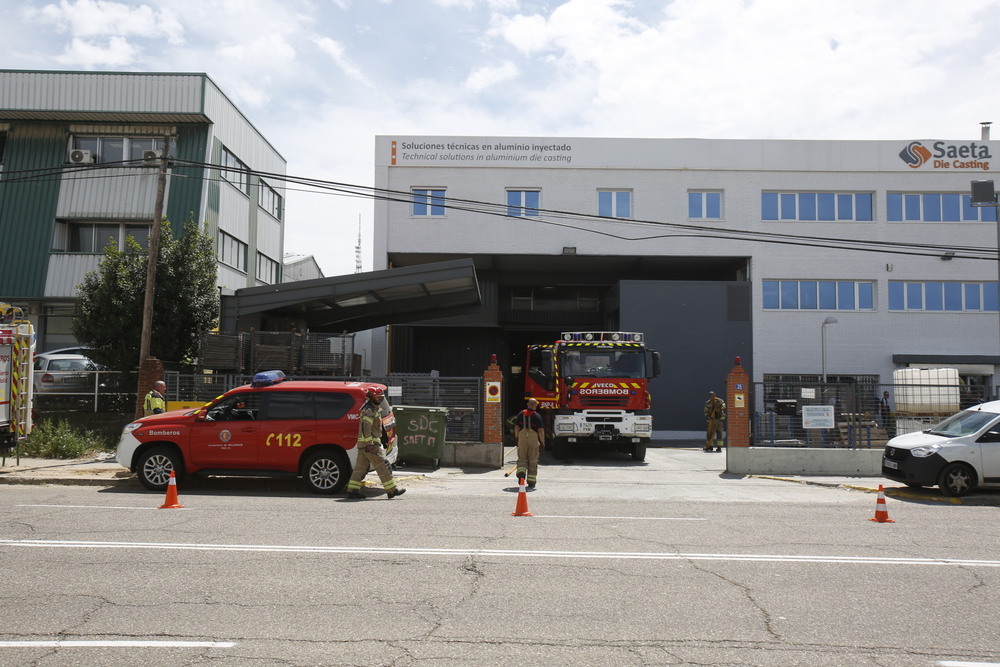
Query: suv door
[[287, 428], [227, 438]]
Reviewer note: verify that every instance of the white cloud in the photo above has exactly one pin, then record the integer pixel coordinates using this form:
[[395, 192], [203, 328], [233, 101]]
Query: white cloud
[[99, 18], [89, 54], [336, 51], [485, 77]]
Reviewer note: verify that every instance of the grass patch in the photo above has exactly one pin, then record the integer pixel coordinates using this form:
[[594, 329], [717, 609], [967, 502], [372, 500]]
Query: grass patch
[[57, 439]]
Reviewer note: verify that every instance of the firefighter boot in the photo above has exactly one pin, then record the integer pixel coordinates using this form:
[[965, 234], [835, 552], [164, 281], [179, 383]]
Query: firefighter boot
[[395, 492], [356, 494]]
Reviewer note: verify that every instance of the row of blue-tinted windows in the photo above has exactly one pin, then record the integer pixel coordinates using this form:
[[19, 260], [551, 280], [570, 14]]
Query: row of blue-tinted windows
[[818, 295], [816, 206], [936, 207], [946, 296]]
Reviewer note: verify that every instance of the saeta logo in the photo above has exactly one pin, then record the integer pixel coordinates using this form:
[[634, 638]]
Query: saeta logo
[[915, 155]]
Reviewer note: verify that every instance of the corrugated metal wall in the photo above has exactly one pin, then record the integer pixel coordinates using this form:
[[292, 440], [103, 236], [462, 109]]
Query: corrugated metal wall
[[28, 206]]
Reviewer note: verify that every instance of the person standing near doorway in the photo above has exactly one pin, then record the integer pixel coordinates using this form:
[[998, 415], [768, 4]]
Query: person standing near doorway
[[715, 415]]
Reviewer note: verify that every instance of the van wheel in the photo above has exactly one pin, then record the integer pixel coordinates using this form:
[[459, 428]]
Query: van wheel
[[325, 472], [957, 479], [155, 465], [559, 448]]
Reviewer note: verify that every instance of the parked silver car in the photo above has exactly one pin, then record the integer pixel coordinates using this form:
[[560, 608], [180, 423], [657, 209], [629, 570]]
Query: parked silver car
[[63, 373]]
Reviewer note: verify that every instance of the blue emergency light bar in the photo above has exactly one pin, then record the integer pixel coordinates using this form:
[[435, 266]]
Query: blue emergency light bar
[[267, 378]]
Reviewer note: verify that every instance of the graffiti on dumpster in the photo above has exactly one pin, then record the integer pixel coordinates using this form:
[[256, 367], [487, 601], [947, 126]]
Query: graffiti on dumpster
[[422, 431]]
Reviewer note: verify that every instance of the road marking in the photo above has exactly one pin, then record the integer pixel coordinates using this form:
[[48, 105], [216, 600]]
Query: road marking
[[636, 518], [100, 507], [609, 555], [128, 643], [953, 663]]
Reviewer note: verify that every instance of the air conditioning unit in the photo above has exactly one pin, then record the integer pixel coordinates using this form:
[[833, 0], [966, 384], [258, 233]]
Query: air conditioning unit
[[79, 156], [150, 157]]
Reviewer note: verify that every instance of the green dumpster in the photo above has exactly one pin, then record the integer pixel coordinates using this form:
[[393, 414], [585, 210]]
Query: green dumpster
[[420, 434]]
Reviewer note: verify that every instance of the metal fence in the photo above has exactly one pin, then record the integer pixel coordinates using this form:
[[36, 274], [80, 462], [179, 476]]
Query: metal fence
[[860, 420], [462, 396]]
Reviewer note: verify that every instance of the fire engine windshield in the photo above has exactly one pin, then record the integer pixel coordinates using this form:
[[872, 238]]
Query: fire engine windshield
[[603, 363]]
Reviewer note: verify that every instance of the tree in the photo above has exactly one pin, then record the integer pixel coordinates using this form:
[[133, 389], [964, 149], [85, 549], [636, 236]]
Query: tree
[[108, 313]]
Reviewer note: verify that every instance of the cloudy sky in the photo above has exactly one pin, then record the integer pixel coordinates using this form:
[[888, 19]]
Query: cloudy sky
[[321, 78]]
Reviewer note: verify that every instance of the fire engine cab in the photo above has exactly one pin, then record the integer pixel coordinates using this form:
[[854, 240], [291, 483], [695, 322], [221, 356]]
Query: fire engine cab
[[593, 387], [270, 427]]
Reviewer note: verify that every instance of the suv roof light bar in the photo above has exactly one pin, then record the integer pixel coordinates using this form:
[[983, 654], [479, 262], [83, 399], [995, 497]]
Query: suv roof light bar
[[267, 379]]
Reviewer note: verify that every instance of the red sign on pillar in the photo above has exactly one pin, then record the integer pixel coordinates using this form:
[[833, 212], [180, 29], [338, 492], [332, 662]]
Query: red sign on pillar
[[738, 404]]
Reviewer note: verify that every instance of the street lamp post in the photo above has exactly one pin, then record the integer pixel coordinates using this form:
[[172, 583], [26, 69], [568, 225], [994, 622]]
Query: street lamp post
[[822, 329]]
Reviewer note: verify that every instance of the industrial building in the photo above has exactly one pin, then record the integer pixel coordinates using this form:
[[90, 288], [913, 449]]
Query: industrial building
[[848, 259], [79, 166]]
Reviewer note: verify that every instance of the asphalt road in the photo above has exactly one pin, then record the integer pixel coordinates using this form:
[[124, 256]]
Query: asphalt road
[[668, 562]]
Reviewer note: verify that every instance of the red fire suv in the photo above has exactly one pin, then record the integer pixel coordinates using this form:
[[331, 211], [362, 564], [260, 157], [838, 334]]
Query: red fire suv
[[272, 427]]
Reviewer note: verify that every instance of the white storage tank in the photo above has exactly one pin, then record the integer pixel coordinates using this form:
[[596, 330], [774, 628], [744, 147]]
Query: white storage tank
[[926, 391]]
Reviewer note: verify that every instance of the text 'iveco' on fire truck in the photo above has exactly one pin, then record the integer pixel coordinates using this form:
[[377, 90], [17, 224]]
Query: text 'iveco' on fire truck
[[593, 387]]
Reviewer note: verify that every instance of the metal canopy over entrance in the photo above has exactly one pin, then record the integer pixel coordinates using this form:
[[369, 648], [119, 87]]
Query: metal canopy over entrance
[[360, 301]]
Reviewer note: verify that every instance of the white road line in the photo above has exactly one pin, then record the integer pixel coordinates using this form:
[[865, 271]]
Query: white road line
[[100, 507], [953, 663], [608, 555], [124, 643], [635, 518]]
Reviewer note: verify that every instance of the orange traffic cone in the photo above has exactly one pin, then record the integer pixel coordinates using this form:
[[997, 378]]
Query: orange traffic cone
[[881, 513], [521, 509], [171, 502]]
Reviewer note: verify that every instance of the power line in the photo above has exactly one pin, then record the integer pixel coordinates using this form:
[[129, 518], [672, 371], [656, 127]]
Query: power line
[[551, 217]]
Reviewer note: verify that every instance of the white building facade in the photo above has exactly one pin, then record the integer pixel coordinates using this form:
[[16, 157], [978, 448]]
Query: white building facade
[[879, 236]]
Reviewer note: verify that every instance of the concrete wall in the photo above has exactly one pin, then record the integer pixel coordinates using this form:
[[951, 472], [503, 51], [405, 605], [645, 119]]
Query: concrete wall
[[804, 461]]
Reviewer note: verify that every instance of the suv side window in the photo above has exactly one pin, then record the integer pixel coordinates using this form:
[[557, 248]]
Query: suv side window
[[235, 408], [333, 404], [284, 405]]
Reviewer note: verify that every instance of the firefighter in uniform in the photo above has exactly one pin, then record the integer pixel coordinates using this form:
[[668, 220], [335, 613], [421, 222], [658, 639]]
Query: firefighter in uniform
[[371, 453], [715, 415], [155, 403], [530, 434]]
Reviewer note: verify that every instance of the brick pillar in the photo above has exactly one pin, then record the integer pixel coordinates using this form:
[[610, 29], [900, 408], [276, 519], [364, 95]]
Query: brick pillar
[[737, 404], [150, 371], [493, 403]]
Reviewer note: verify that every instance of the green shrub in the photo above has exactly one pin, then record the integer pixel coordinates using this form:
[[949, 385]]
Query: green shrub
[[56, 439]]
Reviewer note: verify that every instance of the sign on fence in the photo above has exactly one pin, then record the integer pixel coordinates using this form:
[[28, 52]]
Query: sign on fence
[[817, 416]]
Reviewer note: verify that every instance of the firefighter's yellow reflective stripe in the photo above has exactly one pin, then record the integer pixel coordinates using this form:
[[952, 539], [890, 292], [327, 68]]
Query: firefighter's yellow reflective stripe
[[284, 439]]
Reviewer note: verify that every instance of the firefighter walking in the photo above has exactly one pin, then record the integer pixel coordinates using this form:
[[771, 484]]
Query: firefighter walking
[[371, 453], [530, 434], [715, 415]]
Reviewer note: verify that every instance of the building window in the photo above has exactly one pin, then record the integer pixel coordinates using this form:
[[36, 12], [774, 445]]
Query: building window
[[234, 171], [93, 237], [231, 251], [3, 144], [523, 203], [123, 150], [267, 269], [704, 205], [269, 200], [935, 207], [939, 296], [818, 295], [427, 202], [614, 203], [816, 206]]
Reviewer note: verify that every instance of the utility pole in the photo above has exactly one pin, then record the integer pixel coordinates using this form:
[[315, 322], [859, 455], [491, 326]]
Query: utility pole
[[154, 253]]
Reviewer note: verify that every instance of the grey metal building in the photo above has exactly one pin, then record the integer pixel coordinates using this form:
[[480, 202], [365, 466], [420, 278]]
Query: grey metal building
[[74, 174], [713, 248]]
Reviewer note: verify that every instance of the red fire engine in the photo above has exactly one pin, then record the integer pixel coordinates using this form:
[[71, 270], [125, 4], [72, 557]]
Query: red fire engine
[[593, 387]]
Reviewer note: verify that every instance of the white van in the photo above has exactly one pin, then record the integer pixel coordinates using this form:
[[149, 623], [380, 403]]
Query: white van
[[957, 455]]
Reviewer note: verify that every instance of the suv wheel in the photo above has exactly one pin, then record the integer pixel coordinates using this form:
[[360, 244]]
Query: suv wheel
[[957, 479], [155, 465], [326, 472]]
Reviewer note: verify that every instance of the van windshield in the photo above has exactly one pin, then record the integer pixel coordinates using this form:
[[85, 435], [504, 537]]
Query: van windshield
[[962, 423]]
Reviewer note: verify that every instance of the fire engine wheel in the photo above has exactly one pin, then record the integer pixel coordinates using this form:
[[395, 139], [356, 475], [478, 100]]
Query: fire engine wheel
[[639, 451], [559, 448], [326, 472], [155, 465]]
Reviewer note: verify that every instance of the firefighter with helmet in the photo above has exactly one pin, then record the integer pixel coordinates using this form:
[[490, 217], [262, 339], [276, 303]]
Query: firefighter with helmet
[[371, 453]]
